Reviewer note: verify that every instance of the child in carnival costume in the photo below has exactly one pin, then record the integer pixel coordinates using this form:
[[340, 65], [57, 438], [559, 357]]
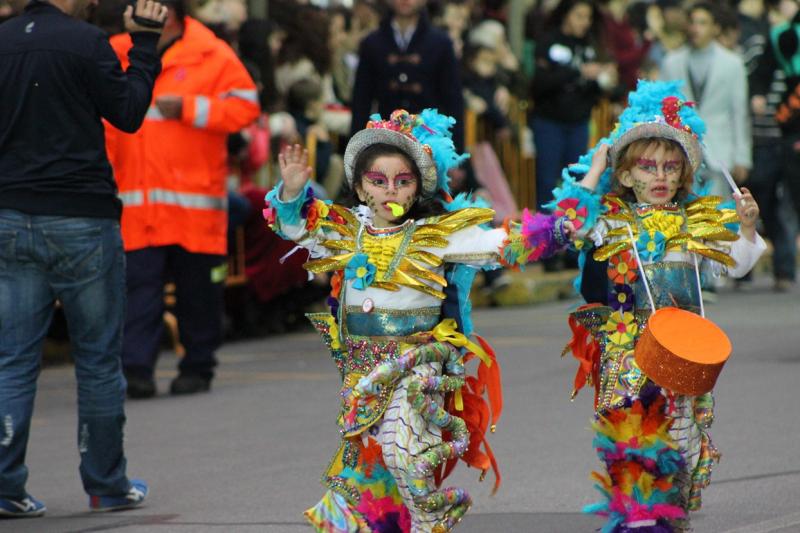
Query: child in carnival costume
[[403, 260], [653, 442]]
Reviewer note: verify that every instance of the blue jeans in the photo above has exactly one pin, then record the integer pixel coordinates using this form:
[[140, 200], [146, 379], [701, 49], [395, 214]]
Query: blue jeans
[[558, 144], [80, 262]]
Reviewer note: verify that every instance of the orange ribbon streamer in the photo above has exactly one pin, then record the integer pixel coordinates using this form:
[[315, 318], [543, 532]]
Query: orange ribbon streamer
[[586, 350]]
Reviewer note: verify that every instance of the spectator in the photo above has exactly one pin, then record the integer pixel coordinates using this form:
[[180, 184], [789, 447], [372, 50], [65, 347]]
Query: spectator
[[784, 53], [767, 180], [569, 80], [729, 29], [172, 177], [407, 64], [455, 21], [628, 48], [481, 89], [716, 81], [304, 103], [59, 232], [668, 21]]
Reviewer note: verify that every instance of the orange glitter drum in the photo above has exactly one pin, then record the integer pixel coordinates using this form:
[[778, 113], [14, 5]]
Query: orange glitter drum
[[682, 351]]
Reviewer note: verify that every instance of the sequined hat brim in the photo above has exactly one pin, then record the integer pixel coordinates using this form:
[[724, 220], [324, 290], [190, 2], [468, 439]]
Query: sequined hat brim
[[655, 130]]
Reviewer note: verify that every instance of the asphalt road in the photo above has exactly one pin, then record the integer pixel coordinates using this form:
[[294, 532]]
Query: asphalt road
[[248, 456]]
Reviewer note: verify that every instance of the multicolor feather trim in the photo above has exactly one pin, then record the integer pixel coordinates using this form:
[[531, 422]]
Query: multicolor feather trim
[[534, 238], [641, 461], [587, 200], [334, 515], [434, 130]]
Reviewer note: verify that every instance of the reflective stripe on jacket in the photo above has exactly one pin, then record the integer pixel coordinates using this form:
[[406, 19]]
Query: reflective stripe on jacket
[[172, 172]]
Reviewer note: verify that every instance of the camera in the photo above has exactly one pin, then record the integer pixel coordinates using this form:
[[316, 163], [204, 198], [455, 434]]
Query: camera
[[142, 21]]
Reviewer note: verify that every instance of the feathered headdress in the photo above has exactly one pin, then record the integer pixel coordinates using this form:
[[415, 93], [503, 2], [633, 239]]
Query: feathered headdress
[[656, 109], [426, 138]]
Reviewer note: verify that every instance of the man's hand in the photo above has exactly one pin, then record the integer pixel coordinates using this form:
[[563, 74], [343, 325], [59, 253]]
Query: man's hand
[[170, 105], [293, 161], [758, 104], [148, 9]]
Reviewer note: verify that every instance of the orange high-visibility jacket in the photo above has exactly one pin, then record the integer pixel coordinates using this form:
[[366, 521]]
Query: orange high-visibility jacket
[[172, 173]]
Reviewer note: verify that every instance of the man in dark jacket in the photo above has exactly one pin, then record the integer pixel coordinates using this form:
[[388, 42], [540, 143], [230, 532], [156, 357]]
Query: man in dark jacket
[[59, 231], [407, 64]]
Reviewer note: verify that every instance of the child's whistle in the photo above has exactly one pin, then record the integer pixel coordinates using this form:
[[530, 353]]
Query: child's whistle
[[397, 209]]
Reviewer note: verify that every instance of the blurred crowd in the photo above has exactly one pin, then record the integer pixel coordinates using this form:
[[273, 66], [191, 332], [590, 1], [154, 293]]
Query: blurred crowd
[[318, 75]]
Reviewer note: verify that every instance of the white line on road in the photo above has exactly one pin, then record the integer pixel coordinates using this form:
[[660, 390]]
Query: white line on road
[[767, 526]]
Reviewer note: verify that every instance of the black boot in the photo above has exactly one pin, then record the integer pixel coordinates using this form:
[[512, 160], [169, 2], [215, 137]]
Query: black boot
[[139, 385], [190, 384]]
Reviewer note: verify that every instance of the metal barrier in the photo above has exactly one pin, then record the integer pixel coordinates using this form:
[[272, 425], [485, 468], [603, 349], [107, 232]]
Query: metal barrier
[[519, 168]]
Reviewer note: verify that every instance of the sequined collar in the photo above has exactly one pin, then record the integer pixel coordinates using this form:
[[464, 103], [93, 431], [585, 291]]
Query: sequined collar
[[393, 230], [642, 209]]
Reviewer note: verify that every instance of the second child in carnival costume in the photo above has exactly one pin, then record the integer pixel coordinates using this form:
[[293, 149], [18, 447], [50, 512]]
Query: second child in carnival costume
[[403, 258], [630, 203]]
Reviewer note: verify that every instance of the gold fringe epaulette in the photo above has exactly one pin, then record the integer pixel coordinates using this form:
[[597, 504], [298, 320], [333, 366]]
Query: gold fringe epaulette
[[400, 258], [705, 222]]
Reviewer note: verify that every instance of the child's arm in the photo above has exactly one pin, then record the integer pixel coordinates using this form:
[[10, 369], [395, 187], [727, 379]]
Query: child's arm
[[750, 246], [536, 237], [747, 209], [599, 165], [292, 211]]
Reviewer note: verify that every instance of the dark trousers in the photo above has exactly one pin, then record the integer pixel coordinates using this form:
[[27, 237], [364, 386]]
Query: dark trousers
[[767, 184], [558, 144], [199, 285]]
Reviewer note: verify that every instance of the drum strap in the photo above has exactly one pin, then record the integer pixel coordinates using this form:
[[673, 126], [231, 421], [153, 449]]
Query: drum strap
[[647, 284]]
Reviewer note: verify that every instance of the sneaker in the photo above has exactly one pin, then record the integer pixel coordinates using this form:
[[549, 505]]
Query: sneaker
[[190, 384], [134, 498], [783, 285], [27, 507]]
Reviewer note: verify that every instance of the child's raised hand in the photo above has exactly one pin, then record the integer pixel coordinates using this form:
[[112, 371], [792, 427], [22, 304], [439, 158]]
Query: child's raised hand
[[599, 165], [747, 209], [293, 162]]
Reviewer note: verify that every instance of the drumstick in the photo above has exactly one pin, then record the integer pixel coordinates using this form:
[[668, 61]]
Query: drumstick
[[725, 172], [641, 268], [699, 289]]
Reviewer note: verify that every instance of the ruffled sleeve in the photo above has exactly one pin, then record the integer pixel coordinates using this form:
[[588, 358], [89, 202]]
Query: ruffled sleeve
[[305, 219]]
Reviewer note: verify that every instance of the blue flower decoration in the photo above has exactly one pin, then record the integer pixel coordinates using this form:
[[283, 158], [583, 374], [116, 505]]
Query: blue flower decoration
[[620, 298], [651, 247], [361, 270]]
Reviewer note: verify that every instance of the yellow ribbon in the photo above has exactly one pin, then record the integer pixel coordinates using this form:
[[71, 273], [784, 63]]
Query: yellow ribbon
[[445, 331]]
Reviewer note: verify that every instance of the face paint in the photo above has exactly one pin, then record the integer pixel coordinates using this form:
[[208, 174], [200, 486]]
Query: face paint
[[388, 186], [656, 176]]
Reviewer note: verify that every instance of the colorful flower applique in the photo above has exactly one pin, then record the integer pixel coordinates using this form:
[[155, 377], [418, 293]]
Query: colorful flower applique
[[317, 211], [621, 298], [621, 328], [622, 268], [361, 270], [651, 245], [307, 203], [669, 224], [612, 203], [269, 215], [336, 291], [569, 208]]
